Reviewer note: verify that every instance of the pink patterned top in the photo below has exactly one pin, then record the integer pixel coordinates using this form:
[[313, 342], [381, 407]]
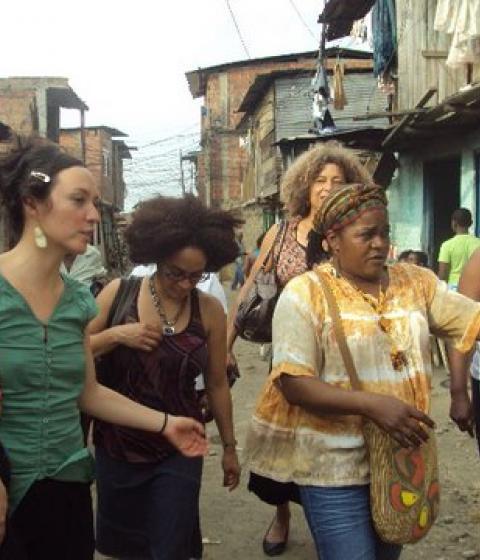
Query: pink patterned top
[[292, 260]]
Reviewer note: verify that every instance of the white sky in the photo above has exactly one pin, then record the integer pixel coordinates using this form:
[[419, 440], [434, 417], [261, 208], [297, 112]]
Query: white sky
[[127, 60]]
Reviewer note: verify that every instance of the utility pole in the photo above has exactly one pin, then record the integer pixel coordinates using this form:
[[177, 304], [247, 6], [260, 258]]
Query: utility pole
[[182, 179]]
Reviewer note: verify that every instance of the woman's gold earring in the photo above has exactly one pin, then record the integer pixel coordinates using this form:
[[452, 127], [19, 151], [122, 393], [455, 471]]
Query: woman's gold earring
[[40, 239]]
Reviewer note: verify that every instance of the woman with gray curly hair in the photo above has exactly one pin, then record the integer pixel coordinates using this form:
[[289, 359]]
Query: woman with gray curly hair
[[304, 187]]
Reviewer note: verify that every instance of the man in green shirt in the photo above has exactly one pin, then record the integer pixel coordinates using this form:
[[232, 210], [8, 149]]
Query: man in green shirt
[[456, 251]]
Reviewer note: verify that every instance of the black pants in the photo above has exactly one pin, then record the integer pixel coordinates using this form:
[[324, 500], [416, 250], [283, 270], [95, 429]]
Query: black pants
[[54, 521]]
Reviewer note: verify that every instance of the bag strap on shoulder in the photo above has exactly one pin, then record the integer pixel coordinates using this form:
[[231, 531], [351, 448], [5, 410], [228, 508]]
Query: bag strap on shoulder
[[340, 332], [126, 294], [278, 239]]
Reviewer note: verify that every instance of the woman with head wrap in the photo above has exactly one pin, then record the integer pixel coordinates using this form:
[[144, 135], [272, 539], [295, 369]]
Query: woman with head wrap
[[307, 424], [305, 185]]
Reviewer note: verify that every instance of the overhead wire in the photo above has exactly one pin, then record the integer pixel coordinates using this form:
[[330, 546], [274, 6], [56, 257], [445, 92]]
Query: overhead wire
[[238, 29], [301, 18]]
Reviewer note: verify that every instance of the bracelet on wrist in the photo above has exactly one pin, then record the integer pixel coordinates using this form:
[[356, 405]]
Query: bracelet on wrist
[[228, 444], [165, 420]]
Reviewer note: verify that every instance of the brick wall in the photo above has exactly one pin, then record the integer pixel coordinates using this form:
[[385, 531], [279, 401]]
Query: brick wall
[[18, 110], [224, 161], [96, 141]]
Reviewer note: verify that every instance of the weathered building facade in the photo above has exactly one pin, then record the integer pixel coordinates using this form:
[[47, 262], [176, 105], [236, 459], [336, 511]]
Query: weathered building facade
[[438, 146], [104, 153], [278, 107], [31, 106], [224, 177]]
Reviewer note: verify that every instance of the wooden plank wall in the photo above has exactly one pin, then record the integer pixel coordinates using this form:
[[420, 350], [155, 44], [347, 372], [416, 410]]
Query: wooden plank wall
[[418, 70]]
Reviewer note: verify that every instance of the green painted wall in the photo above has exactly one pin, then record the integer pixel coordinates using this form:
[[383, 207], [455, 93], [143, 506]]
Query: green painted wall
[[406, 193]]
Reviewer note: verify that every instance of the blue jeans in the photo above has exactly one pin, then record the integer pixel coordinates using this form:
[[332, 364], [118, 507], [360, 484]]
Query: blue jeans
[[341, 525], [239, 277]]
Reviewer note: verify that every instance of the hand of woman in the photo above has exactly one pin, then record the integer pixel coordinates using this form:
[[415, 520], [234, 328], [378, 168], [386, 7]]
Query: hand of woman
[[231, 468], [140, 336], [461, 411], [187, 435], [402, 421], [231, 359]]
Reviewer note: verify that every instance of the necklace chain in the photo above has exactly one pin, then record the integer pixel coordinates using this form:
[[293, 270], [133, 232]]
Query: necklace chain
[[168, 324], [397, 356]]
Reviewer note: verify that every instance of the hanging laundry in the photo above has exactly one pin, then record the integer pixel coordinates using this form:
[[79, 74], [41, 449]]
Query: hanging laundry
[[463, 51], [460, 18], [384, 29], [338, 89], [360, 30], [446, 15]]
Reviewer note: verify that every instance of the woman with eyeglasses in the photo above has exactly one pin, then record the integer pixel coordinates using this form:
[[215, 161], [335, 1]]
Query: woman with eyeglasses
[[47, 372], [158, 333]]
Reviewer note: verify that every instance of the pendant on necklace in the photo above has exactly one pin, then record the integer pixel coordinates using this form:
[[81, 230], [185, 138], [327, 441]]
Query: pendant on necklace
[[168, 330]]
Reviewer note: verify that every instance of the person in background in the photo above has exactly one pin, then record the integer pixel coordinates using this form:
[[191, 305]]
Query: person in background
[[307, 426], [238, 277], [304, 187], [465, 411], [405, 256], [87, 268], [455, 252], [47, 370], [420, 258], [167, 333], [252, 257]]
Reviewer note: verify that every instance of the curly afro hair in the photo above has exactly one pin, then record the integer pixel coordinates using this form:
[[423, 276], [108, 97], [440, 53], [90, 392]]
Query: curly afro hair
[[161, 226]]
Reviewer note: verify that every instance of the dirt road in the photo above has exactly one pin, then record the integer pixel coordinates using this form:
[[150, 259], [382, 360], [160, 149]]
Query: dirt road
[[235, 523]]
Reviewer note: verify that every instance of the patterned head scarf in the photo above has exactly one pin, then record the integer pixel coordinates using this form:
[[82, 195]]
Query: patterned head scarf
[[346, 204]]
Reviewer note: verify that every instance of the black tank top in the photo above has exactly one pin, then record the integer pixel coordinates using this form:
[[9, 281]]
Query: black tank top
[[163, 379]]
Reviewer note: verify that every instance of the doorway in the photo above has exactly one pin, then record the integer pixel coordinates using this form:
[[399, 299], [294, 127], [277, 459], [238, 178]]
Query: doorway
[[441, 180]]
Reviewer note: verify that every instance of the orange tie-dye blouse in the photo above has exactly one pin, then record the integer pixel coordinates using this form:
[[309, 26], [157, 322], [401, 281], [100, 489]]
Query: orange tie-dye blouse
[[285, 442]]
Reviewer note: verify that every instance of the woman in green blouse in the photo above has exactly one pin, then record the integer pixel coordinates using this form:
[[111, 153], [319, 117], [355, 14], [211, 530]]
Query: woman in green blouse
[[46, 367]]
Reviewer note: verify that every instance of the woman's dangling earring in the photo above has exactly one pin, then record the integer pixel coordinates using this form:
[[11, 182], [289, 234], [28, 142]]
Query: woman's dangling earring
[[40, 239]]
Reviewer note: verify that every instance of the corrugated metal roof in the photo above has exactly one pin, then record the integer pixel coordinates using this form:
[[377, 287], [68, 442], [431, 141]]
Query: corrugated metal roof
[[294, 103], [197, 79]]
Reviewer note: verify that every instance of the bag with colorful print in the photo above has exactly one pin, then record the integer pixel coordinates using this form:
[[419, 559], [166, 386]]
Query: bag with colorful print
[[404, 486]]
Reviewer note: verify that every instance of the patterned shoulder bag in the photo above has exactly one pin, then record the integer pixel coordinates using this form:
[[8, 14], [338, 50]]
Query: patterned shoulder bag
[[404, 487]]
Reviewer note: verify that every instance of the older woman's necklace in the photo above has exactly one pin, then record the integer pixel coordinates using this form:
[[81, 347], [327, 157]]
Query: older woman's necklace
[[397, 356], [168, 324]]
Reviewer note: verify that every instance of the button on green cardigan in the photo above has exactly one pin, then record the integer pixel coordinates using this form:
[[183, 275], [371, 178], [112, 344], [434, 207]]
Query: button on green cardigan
[[42, 374]]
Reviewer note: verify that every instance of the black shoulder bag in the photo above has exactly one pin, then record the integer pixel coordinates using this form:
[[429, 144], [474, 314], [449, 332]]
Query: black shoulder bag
[[253, 321], [121, 304]]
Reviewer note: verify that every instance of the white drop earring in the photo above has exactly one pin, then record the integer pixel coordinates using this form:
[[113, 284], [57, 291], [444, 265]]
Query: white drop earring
[[40, 239]]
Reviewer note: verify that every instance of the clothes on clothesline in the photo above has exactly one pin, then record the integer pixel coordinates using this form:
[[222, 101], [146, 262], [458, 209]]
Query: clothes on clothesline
[[384, 29], [338, 89], [460, 18]]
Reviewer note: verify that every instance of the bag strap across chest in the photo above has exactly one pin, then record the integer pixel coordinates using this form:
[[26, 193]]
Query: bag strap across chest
[[340, 332]]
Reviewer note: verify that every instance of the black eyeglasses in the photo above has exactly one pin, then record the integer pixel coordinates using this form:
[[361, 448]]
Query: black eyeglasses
[[177, 274]]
